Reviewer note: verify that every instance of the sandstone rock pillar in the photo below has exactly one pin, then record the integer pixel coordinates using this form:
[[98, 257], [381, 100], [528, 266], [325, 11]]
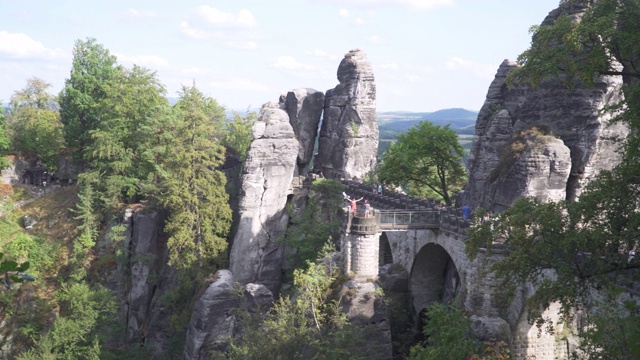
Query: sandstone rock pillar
[[256, 254], [348, 144]]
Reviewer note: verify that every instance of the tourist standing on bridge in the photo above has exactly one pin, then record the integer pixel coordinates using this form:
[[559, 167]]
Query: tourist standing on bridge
[[466, 212], [354, 206], [367, 208]]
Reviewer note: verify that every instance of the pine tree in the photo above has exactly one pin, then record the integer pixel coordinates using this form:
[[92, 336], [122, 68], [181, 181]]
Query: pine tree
[[193, 190], [81, 106]]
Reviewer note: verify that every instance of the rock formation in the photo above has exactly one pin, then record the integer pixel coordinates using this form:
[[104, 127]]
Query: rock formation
[[348, 144], [368, 311], [212, 321], [284, 138], [256, 255], [572, 116], [13, 173], [304, 107]]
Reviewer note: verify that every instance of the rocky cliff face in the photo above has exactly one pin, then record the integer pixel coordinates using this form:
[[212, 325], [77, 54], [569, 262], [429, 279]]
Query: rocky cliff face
[[348, 143], [256, 255], [558, 170], [304, 107]]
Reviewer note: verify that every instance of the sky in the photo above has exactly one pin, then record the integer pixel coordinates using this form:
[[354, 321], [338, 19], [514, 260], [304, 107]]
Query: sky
[[426, 54]]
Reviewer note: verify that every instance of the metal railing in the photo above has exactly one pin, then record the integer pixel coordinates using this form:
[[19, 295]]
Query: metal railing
[[408, 219]]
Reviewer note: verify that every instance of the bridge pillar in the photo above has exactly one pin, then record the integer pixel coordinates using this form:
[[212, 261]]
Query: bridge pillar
[[361, 247]]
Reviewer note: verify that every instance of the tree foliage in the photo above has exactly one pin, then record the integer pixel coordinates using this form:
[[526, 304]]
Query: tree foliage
[[449, 335], [75, 333], [34, 123], [193, 190], [310, 325], [132, 136], [238, 136], [318, 222], [4, 141], [427, 160], [81, 100]]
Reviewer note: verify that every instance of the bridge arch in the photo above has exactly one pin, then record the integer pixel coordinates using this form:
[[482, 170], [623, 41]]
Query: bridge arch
[[385, 253], [435, 260], [434, 277]]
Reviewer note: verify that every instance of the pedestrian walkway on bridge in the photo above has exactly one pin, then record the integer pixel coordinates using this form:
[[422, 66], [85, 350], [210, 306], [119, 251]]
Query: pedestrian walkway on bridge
[[395, 211]]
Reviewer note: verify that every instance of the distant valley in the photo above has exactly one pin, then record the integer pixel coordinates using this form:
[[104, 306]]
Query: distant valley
[[394, 123]]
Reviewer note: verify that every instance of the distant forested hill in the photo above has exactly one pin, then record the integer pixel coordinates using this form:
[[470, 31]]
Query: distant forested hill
[[392, 123]]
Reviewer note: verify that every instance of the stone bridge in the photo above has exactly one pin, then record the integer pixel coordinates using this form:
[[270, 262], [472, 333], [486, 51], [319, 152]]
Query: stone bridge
[[430, 246]]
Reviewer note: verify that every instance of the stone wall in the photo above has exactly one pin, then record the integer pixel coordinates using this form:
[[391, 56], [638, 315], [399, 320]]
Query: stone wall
[[361, 254]]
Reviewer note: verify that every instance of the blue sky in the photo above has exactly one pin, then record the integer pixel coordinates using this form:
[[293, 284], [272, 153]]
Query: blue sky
[[426, 54]]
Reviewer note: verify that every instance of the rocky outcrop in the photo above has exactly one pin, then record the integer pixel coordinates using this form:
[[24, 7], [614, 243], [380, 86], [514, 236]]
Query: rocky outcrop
[[304, 107], [13, 174], [144, 248], [571, 115], [256, 254], [366, 309], [348, 144], [535, 165], [212, 321], [67, 168]]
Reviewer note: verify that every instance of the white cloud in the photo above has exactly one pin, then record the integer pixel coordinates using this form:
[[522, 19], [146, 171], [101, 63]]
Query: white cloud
[[241, 40], [194, 70], [243, 45], [376, 39], [344, 13], [392, 66], [234, 31], [358, 21], [321, 54], [152, 62], [413, 4], [413, 78], [290, 63], [132, 13], [21, 46], [239, 84], [217, 18], [478, 69]]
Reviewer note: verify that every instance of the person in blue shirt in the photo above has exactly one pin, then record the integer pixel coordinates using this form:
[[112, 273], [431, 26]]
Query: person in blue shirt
[[466, 212]]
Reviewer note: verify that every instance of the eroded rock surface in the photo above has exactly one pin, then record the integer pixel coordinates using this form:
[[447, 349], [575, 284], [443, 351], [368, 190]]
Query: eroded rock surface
[[368, 311], [144, 246], [256, 254], [571, 115], [304, 107], [211, 320], [348, 144]]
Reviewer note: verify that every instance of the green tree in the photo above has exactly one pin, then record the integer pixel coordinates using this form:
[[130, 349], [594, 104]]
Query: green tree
[[75, 334], [193, 190], [4, 141], [124, 151], [238, 136], [449, 335], [427, 160], [81, 100], [318, 221], [34, 122], [310, 325]]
